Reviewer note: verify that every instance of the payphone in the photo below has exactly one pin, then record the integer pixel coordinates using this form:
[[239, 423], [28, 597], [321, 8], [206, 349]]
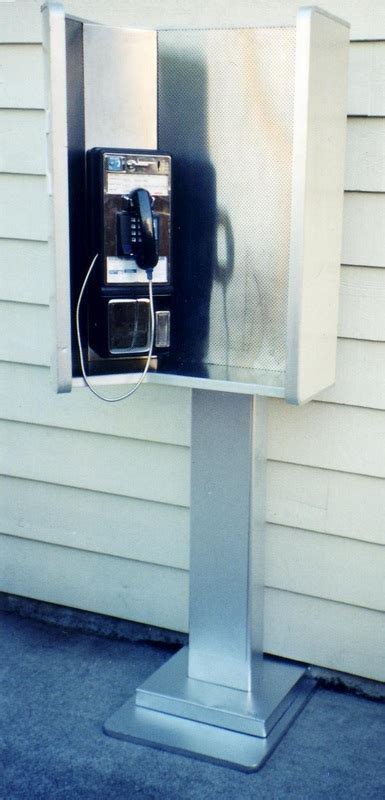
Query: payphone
[[255, 120], [123, 310]]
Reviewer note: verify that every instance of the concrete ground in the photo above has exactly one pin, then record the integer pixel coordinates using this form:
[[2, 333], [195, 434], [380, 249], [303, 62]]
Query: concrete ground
[[58, 687]]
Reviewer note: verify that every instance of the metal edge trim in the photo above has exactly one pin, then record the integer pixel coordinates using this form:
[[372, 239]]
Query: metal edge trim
[[184, 381], [305, 17], [56, 102], [300, 135], [323, 13]]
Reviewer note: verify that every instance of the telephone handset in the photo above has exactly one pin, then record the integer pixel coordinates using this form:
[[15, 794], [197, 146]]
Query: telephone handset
[[137, 234], [147, 254], [129, 205]]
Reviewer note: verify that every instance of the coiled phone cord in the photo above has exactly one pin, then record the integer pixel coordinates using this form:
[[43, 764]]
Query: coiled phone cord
[[149, 357]]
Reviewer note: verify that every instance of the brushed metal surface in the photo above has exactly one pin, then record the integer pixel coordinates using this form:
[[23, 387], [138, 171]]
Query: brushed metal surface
[[227, 537], [171, 691], [226, 107], [214, 378], [196, 739], [120, 87], [317, 202], [226, 113], [54, 42]]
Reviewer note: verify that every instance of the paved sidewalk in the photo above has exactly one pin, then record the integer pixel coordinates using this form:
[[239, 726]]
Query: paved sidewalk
[[58, 687]]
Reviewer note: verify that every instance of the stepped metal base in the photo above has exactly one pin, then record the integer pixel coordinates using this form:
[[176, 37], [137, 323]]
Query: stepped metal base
[[239, 729]]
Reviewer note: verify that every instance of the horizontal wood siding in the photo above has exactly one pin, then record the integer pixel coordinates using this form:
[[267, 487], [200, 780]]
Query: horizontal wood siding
[[25, 333], [366, 17], [147, 470], [112, 524], [348, 439], [365, 155], [22, 83], [99, 494], [338, 503], [108, 585], [363, 231], [23, 207], [81, 411], [20, 22], [360, 377], [24, 271], [22, 141], [362, 297], [334, 567], [333, 634], [366, 96]]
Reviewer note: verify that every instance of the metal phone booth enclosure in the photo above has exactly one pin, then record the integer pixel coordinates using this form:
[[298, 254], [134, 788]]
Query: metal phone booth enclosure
[[254, 120]]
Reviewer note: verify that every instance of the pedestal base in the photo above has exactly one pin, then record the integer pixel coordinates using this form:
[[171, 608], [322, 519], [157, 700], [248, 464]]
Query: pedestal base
[[239, 729]]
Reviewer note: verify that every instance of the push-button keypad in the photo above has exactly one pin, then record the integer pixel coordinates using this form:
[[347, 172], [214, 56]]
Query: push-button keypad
[[135, 230]]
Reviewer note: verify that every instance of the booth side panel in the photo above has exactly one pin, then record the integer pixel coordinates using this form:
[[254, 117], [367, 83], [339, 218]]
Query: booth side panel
[[55, 73], [317, 202]]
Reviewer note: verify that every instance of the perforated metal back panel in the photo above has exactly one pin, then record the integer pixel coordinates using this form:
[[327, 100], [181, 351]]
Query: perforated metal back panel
[[226, 114]]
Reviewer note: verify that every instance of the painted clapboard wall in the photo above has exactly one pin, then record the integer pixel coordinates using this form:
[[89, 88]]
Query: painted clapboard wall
[[81, 524]]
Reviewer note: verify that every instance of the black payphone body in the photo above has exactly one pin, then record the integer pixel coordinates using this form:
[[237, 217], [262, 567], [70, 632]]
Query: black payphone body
[[128, 223]]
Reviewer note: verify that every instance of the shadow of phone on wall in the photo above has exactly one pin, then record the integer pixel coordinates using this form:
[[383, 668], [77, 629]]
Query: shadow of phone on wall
[[198, 226]]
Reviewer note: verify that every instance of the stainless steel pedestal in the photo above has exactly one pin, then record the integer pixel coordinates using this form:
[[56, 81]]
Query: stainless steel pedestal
[[220, 699]]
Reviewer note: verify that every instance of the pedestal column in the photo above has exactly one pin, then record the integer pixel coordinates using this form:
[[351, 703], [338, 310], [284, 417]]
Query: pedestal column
[[220, 699], [228, 469]]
